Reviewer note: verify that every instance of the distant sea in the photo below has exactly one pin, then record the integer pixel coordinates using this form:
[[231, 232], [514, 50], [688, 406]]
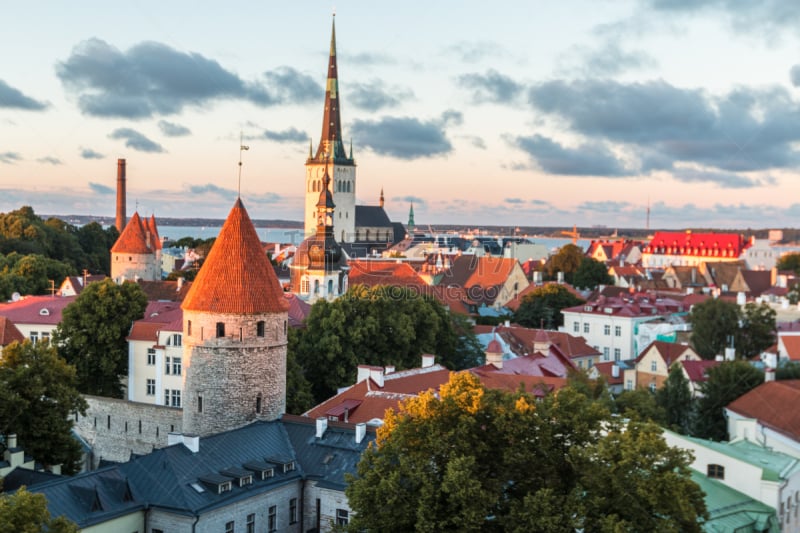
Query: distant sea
[[295, 236]]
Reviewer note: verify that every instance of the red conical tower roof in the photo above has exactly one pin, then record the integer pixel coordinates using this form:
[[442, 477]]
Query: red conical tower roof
[[236, 277], [132, 240]]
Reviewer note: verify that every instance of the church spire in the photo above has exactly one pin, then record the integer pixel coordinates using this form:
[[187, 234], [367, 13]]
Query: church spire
[[330, 143], [381, 199], [411, 218]]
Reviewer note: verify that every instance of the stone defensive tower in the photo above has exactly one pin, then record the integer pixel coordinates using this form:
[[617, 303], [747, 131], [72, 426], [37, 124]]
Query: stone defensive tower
[[137, 252], [234, 334]]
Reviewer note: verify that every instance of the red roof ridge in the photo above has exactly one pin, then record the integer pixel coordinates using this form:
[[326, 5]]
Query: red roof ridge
[[236, 277]]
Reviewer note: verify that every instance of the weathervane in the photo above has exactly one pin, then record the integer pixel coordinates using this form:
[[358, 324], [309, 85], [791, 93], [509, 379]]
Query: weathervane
[[242, 147]]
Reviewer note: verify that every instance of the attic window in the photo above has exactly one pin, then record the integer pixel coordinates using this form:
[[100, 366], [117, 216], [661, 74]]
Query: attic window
[[716, 471], [288, 467], [587, 308], [44, 312], [197, 487]]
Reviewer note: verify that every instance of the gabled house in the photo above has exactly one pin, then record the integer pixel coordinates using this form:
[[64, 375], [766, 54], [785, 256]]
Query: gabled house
[[385, 272], [517, 342], [36, 317], [696, 373], [619, 251], [768, 415], [488, 279], [74, 285], [687, 248], [9, 332], [651, 368]]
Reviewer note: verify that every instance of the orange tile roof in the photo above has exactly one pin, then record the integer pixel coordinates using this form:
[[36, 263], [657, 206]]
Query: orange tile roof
[[236, 277], [9, 332], [771, 403], [689, 243], [133, 239], [372, 273], [792, 345]]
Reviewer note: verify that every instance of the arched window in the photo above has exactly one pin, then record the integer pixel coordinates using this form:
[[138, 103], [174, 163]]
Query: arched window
[[220, 329]]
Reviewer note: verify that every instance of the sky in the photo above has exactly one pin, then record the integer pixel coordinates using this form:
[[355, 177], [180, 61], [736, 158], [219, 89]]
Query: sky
[[505, 113]]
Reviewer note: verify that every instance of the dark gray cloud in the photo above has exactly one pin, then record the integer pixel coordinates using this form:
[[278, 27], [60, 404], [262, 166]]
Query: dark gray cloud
[[149, 79], [10, 158], [14, 99], [137, 141], [291, 135], [368, 59], [585, 160], [491, 87], [49, 160], [210, 188], [375, 95], [764, 17], [726, 180], [406, 137], [292, 86], [745, 130], [612, 60], [540, 203], [605, 207], [88, 153], [416, 200], [173, 130], [515, 201], [99, 188], [795, 75]]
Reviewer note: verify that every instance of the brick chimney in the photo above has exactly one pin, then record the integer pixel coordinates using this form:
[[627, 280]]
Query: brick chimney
[[121, 217]]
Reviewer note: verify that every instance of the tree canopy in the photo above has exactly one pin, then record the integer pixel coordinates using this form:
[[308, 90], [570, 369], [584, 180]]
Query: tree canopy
[[715, 323], [789, 262], [377, 326], [567, 260], [542, 306], [26, 512], [675, 398], [476, 459], [38, 397], [726, 382], [590, 274], [91, 335]]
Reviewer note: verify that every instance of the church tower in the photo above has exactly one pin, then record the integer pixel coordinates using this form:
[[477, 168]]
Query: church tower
[[331, 152], [234, 334], [319, 269]]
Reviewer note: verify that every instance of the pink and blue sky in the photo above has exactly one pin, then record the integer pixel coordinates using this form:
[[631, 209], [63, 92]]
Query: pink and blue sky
[[517, 113]]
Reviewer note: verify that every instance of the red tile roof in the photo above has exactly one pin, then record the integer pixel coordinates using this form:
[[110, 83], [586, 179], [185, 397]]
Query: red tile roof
[[521, 341], [372, 273], [689, 243], [172, 291], [236, 277], [606, 369], [158, 316], [9, 332], [669, 351], [298, 309], [486, 271], [698, 370], [45, 310], [134, 238], [772, 404], [792, 345]]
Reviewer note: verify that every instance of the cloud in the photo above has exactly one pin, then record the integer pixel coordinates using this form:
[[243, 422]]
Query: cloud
[[745, 130], [516, 201], [137, 141], [491, 87], [88, 153], [416, 200], [605, 207], [476, 51], [540, 203], [795, 75], [212, 189], [99, 188], [585, 160], [49, 160], [725, 180], [10, 158], [149, 79], [368, 59], [14, 99], [406, 137], [765, 17], [291, 86], [611, 60], [374, 95], [291, 135], [173, 130]]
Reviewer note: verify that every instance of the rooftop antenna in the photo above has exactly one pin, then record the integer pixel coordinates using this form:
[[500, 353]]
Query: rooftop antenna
[[242, 147]]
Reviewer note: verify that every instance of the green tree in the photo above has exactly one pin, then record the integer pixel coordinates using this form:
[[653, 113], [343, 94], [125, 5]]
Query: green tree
[[567, 260], [675, 398], [474, 459], [640, 404], [726, 382], [787, 370], [91, 335], [789, 262], [38, 396], [26, 512], [96, 243], [713, 322], [298, 390], [542, 306], [756, 331], [375, 326], [590, 274]]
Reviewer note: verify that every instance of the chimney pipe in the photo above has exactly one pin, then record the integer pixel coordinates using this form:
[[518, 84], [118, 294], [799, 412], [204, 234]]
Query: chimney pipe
[[121, 211], [361, 431], [322, 425]]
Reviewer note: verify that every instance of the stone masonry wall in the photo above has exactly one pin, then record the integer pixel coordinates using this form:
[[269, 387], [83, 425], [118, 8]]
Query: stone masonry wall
[[116, 428]]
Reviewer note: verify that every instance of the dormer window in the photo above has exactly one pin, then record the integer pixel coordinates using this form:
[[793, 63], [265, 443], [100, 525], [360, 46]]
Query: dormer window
[[44, 312]]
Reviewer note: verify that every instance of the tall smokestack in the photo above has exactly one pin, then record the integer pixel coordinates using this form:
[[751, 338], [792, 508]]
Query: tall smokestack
[[121, 218]]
